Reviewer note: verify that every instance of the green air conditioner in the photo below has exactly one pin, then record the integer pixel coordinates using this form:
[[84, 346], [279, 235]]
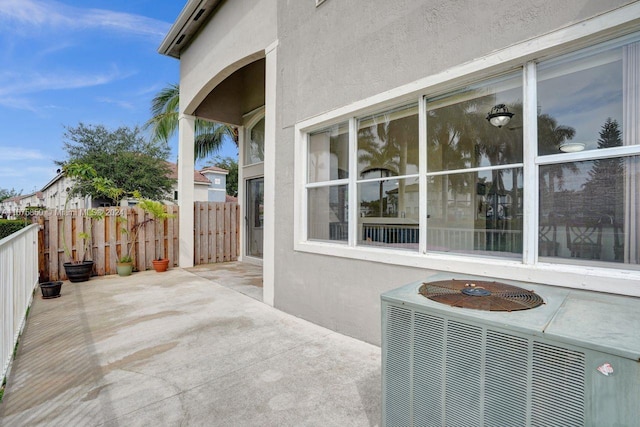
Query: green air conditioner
[[572, 361]]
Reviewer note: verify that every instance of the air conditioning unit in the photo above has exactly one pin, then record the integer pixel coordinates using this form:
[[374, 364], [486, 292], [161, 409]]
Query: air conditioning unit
[[572, 361]]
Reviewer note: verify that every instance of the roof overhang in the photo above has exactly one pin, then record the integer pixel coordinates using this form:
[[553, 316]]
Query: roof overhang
[[193, 16]]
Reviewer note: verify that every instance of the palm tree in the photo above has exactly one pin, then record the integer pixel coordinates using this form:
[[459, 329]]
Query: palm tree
[[209, 136]]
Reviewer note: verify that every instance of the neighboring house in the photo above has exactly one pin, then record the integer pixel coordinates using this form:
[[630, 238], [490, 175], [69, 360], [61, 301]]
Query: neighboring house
[[8, 207], [209, 184], [217, 191], [55, 194], [16, 206], [377, 112]]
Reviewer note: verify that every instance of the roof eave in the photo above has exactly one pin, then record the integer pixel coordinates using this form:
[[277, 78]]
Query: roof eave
[[186, 26]]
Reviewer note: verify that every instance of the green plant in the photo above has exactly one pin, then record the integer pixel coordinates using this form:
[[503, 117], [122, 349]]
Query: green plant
[[82, 173], [156, 210], [10, 226], [129, 255], [126, 258]]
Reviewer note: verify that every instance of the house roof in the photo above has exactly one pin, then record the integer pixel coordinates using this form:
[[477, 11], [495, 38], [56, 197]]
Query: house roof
[[214, 169], [197, 176], [191, 19]]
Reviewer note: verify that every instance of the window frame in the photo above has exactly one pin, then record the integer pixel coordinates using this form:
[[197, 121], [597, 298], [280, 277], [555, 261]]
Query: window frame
[[613, 279]]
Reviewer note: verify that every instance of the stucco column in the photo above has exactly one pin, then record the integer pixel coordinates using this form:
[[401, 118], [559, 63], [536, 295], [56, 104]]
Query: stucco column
[[186, 165], [270, 214]]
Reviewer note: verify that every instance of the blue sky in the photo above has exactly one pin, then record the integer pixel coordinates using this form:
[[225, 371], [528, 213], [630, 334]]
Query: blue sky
[[70, 61]]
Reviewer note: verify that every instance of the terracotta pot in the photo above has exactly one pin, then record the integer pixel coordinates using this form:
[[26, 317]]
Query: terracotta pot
[[161, 265]]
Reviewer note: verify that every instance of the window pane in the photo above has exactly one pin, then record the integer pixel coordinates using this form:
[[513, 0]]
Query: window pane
[[389, 213], [328, 213], [254, 148], [388, 144], [329, 154], [579, 94], [588, 209], [476, 213], [459, 136]]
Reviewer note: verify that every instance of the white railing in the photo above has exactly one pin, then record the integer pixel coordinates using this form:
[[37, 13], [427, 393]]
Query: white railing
[[18, 279]]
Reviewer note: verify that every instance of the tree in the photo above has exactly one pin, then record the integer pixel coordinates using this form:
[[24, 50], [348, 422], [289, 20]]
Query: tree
[[7, 194], [231, 165], [122, 156], [209, 136]]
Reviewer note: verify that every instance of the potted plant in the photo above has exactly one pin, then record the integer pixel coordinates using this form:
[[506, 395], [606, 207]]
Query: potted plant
[[79, 270], [157, 212], [50, 289], [125, 264]]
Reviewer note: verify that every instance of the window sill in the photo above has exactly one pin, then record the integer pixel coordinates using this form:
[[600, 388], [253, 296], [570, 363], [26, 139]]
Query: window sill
[[616, 281]]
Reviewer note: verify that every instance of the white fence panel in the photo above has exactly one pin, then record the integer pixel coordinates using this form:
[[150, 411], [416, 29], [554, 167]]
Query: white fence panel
[[18, 279]]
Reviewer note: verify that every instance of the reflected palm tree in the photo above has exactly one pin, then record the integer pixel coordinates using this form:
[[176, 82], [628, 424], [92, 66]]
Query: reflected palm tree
[[550, 137], [386, 149]]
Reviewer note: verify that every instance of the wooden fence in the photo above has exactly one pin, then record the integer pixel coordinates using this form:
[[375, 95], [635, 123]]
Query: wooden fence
[[155, 239], [217, 232]]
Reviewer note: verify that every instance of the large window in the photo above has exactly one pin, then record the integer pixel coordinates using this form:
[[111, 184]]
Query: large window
[[559, 183]]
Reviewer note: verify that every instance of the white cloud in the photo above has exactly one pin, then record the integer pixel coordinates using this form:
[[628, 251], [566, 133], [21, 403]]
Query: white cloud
[[9, 153], [49, 13], [17, 103], [120, 103], [15, 83]]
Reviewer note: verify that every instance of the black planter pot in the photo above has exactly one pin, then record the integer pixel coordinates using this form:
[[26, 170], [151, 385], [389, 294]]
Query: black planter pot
[[78, 272], [50, 289]]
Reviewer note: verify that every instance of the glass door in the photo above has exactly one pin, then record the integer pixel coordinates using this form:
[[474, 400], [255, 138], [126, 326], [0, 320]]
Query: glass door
[[255, 217]]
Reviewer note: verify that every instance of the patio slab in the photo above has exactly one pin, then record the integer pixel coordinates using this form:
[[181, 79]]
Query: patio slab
[[176, 348]]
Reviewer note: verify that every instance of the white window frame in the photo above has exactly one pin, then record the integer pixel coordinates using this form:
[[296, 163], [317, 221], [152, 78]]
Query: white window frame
[[590, 32]]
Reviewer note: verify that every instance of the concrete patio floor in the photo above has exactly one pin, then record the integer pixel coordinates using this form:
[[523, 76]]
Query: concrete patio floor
[[180, 349]]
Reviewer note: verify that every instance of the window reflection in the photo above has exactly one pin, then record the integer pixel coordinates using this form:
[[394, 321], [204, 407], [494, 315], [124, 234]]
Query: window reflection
[[254, 149], [329, 154], [389, 213], [475, 212], [460, 137], [389, 142], [575, 96], [328, 213], [585, 208]]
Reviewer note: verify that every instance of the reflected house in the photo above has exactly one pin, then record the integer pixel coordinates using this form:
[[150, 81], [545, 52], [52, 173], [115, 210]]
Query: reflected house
[[376, 149]]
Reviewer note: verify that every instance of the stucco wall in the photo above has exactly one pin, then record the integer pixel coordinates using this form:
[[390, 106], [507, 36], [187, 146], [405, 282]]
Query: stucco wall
[[237, 35], [343, 52]]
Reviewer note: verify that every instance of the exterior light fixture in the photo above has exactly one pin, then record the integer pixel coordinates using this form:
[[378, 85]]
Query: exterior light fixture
[[499, 115], [571, 147]]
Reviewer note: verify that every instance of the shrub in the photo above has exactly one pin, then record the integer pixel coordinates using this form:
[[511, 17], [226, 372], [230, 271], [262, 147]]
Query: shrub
[[10, 226]]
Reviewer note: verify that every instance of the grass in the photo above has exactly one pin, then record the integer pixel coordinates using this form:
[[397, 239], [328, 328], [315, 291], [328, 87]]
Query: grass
[[4, 383]]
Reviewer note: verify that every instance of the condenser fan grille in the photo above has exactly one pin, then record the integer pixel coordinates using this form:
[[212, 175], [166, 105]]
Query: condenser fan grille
[[480, 295]]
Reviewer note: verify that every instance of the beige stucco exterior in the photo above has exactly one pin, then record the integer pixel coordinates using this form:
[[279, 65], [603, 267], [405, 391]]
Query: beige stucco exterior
[[346, 58]]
